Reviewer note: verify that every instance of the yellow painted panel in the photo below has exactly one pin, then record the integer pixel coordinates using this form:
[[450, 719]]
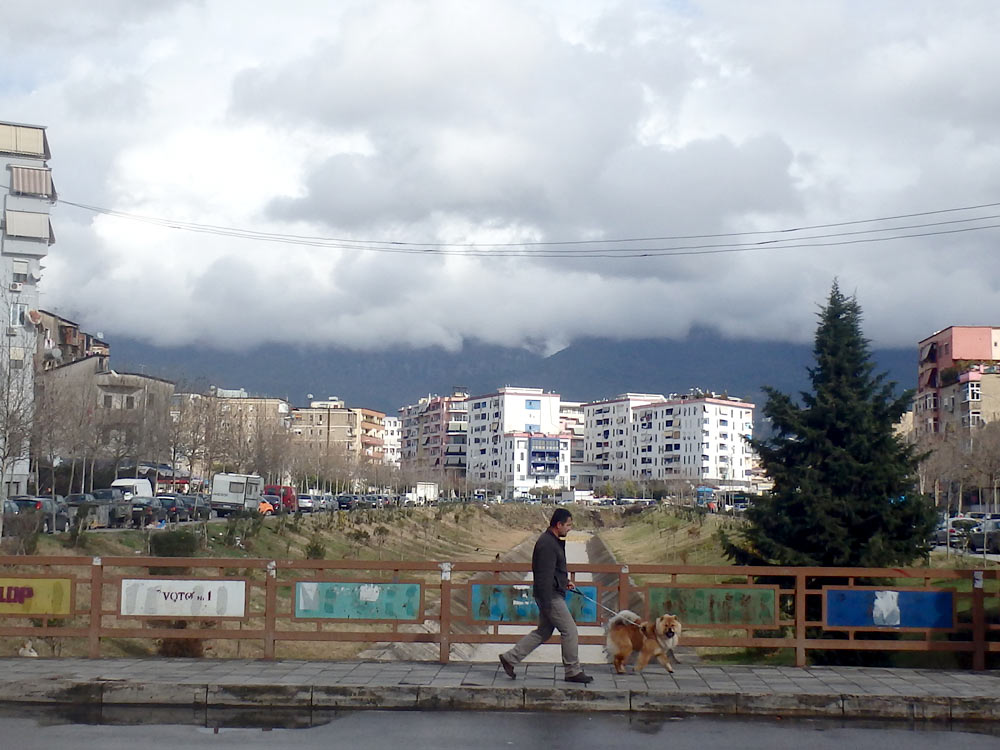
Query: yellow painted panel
[[36, 596]]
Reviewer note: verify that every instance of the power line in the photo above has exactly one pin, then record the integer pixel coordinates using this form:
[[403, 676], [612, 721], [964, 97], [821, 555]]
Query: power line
[[586, 249], [351, 243]]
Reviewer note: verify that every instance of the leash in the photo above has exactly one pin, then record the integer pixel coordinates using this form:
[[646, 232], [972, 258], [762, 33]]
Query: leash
[[607, 609]]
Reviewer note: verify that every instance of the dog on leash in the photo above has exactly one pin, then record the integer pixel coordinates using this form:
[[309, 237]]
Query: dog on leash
[[652, 639]]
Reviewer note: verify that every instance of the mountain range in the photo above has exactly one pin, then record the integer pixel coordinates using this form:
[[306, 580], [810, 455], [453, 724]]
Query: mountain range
[[587, 370]]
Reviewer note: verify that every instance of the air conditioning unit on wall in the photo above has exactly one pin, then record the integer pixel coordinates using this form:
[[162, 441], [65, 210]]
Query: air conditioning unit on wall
[[15, 286]]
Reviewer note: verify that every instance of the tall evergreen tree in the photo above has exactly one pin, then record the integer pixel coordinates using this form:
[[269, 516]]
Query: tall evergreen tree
[[844, 484]]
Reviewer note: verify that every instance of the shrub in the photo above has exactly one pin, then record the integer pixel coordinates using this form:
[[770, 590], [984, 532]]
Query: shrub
[[315, 550], [179, 543]]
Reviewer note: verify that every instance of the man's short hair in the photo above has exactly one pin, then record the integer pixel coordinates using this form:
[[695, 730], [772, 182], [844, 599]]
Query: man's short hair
[[559, 515]]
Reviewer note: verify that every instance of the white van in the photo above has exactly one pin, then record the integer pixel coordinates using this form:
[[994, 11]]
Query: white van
[[131, 486]]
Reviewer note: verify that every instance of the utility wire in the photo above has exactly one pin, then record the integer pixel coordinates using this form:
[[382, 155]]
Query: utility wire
[[583, 249], [392, 243]]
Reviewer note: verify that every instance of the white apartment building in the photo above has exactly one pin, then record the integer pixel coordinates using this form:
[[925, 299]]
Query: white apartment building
[[392, 446], [607, 434], [515, 439], [25, 236], [699, 438]]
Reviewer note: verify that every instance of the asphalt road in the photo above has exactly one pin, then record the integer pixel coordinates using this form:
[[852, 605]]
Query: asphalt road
[[33, 729]]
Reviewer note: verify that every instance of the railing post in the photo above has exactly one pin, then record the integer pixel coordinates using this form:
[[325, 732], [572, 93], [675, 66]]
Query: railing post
[[445, 612], [270, 607], [800, 620], [96, 599], [978, 622], [623, 588]]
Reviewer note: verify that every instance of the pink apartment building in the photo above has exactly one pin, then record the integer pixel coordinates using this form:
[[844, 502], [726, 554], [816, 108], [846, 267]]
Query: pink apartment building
[[958, 373]]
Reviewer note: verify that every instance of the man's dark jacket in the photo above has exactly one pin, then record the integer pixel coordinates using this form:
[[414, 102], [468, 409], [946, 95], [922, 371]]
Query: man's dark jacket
[[548, 567]]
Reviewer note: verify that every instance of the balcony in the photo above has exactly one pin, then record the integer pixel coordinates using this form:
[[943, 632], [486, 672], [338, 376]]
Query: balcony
[[458, 426]]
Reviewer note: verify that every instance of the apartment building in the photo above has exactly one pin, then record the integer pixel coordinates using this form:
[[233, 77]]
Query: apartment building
[[60, 341], [956, 366], [516, 440], [607, 429], [327, 428], [121, 415], [25, 236], [698, 437], [392, 441], [433, 435], [571, 422], [371, 428]]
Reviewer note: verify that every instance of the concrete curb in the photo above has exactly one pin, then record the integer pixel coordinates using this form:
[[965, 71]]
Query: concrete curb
[[122, 693]]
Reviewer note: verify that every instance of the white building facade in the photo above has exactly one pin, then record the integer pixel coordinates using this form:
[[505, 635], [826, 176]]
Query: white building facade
[[25, 236], [699, 438], [515, 439], [393, 443], [607, 429]]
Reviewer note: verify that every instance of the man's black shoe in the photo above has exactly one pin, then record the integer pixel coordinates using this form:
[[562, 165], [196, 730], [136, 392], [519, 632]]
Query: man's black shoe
[[507, 667], [582, 678]]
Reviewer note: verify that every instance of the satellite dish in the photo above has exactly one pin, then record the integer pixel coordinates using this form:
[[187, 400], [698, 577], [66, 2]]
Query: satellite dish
[[35, 317]]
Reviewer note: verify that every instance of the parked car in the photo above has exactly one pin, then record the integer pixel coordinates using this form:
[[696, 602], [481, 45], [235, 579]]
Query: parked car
[[175, 507], [99, 511], [55, 516], [274, 501], [307, 503], [287, 494], [199, 506], [985, 536], [147, 511], [120, 513], [955, 532], [347, 502]]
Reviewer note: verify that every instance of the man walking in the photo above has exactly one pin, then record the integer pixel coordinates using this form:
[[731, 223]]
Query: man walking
[[551, 582]]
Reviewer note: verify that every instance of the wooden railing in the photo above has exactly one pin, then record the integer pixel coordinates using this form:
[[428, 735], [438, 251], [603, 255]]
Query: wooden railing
[[261, 603]]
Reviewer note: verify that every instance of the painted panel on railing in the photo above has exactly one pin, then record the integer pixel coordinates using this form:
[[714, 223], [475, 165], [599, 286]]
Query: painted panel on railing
[[153, 597], [716, 605], [889, 608], [335, 600], [514, 603], [35, 596]]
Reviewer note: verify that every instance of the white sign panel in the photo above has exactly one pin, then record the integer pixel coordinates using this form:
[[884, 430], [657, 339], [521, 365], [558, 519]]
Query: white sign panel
[[150, 597]]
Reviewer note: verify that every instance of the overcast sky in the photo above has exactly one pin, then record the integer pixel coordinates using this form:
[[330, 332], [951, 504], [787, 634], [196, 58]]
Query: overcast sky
[[454, 125]]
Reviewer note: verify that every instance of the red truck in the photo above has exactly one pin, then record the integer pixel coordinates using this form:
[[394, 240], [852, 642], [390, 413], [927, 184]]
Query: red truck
[[289, 500]]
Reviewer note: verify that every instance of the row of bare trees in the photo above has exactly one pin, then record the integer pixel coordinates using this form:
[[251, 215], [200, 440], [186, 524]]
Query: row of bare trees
[[200, 435], [962, 469]]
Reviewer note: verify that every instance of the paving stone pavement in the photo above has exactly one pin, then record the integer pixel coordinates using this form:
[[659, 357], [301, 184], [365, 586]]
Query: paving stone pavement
[[914, 694]]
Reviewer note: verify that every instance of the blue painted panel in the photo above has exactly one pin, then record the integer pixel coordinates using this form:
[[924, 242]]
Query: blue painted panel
[[891, 608], [357, 601], [514, 603]]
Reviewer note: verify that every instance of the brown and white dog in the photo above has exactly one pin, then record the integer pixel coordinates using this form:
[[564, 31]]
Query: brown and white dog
[[657, 639]]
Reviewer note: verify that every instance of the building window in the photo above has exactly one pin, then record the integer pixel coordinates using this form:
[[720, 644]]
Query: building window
[[18, 314], [973, 391], [108, 402], [532, 403], [17, 357], [20, 271], [130, 402]]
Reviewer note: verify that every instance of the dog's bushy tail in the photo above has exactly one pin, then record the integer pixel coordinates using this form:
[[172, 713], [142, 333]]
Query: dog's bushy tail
[[626, 617]]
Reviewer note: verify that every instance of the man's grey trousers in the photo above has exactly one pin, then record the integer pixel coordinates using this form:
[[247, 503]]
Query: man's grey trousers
[[558, 618]]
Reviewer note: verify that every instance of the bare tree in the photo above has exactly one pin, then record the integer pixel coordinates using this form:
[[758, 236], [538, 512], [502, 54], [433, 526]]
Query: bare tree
[[16, 416]]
